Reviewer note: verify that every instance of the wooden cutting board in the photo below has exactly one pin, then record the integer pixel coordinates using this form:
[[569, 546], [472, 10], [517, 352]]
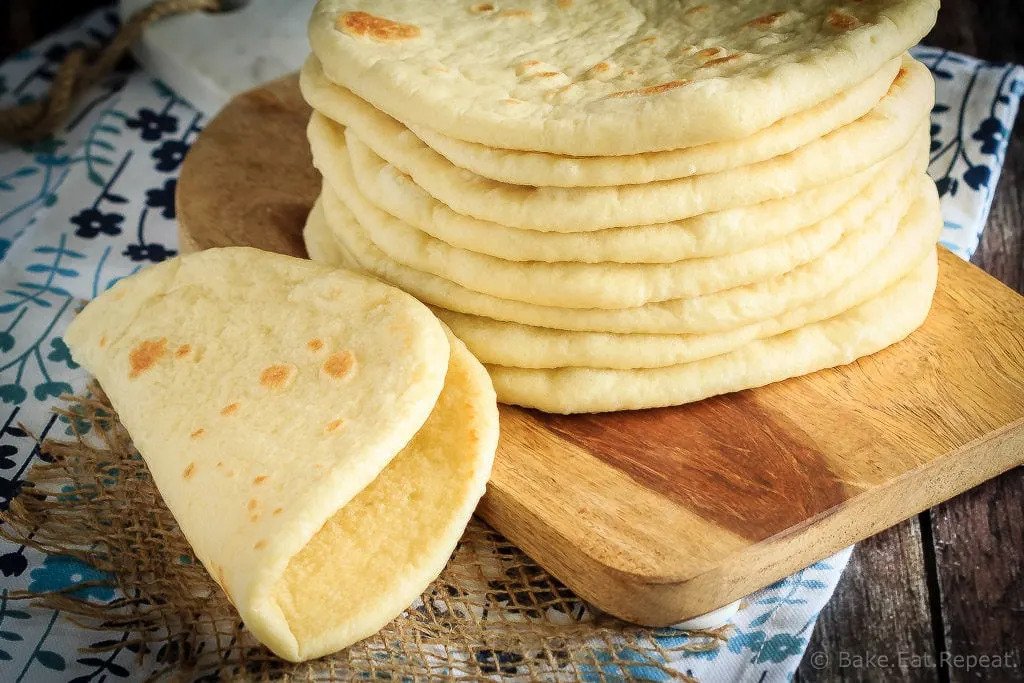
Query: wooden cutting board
[[660, 515]]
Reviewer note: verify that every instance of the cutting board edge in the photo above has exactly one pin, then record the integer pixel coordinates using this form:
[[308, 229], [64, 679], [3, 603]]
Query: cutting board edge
[[666, 600]]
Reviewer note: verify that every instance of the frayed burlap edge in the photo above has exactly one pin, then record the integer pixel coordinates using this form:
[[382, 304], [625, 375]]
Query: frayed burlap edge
[[493, 613]]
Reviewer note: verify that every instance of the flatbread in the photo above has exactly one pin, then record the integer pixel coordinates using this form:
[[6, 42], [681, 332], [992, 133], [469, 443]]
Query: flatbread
[[711, 234], [266, 393], [717, 312], [523, 346], [602, 285], [866, 329], [873, 137], [494, 341], [511, 344], [597, 285], [321, 245], [377, 554], [607, 77], [555, 170]]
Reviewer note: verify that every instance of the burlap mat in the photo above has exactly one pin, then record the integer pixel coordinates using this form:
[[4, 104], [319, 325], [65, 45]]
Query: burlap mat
[[491, 614]]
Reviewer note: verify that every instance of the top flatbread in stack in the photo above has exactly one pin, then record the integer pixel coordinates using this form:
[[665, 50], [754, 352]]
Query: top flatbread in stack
[[605, 199], [600, 77]]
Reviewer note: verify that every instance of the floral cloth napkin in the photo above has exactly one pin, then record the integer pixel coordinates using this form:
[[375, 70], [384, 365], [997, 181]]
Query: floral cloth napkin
[[96, 203]]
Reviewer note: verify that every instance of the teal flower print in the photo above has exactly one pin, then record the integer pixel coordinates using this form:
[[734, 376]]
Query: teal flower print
[[752, 640], [779, 647], [61, 353], [60, 571], [12, 393], [623, 665], [47, 390]]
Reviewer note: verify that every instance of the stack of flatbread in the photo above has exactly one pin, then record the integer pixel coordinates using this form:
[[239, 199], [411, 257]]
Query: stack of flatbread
[[623, 205], [319, 437]]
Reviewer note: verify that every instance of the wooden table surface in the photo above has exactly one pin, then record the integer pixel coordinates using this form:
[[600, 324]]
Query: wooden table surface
[[950, 581]]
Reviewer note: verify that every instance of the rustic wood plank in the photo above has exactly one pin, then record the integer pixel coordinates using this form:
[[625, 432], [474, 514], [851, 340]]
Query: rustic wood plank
[[894, 614], [979, 538], [974, 611], [990, 29]]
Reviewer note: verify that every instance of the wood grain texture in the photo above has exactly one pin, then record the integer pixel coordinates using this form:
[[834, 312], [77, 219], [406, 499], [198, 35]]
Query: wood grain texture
[[885, 608], [689, 455], [973, 611], [977, 538], [660, 515], [250, 169]]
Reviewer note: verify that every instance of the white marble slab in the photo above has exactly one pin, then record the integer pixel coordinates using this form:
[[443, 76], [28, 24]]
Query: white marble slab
[[208, 58]]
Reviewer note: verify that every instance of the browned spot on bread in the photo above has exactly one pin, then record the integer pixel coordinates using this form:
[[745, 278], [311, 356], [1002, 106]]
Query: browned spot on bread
[[600, 67], [251, 505], [565, 4], [339, 364], [766, 20], [378, 28], [649, 39], [229, 409], [103, 341], [697, 9], [900, 75], [277, 511], [721, 60], [145, 355], [189, 471], [198, 433], [709, 52], [546, 74], [277, 376], [333, 425], [630, 72], [481, 7], [649, 90], [525, 66], [838, 19], [315, 344], [515, 13], [182, 351], [260, 479], [511, 100], [554, 95], [259, 545]]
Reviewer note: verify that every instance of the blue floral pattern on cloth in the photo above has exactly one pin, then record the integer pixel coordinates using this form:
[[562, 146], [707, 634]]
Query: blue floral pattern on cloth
[[96, 203]]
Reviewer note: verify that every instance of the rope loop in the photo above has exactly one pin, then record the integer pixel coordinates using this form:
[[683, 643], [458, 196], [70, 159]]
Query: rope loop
[[35, 120]]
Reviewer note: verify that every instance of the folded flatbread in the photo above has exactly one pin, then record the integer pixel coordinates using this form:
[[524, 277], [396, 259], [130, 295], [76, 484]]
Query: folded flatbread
[[320, 438]]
